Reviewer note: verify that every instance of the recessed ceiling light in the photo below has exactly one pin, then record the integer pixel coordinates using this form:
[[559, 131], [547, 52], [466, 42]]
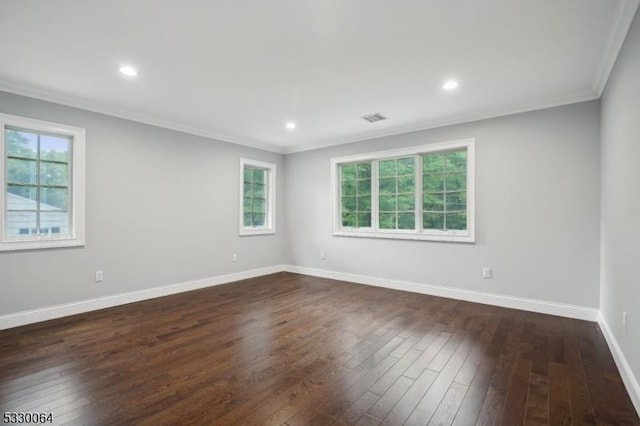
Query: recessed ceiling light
[[450, 85], [129, 71], [290, 125]]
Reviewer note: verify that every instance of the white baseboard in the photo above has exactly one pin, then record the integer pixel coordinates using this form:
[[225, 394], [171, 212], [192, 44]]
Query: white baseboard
[[629, 379], [533, 305], [58, 311]]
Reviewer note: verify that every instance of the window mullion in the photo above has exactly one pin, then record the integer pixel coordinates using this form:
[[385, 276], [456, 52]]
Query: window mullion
[[444, 194], [38, 187], [396, 212], [338, 177], [267, 194], [375, 191], [419, 196]]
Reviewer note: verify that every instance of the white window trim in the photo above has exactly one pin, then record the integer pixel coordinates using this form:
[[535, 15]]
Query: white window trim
[[77, 208], [270, 221], [467, 236]]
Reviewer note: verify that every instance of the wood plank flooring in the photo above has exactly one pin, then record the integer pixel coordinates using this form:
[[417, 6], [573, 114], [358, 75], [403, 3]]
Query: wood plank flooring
[[289, 349]]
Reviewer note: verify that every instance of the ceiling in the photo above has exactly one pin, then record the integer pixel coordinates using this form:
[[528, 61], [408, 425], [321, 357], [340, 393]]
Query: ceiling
[[238, 70]]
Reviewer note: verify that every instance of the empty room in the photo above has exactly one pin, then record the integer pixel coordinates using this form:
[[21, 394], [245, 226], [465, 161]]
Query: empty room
[[320, 212]]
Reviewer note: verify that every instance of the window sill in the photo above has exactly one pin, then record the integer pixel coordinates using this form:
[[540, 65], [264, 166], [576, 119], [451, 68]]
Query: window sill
[[40, 244], [249, 232], [456, 238]]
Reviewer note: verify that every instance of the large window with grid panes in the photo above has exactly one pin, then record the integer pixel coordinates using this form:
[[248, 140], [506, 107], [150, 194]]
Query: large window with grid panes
[[424, 192]]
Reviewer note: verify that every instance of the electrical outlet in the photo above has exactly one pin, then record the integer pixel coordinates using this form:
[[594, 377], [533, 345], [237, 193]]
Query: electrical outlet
[[99, 276], [323, 255], [624, 320], [486, 272], [234, 258]]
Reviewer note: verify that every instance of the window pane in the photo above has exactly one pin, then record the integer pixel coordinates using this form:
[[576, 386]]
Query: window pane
[[21, 144], [246, 204], [456, 181], [22, 198], [258, 219], [456, 201], [259, 176], [364, 170], [54, 220], [364, 187], [349, 204], [54, 174], [364, 220], [247, 219], [259, 206], [457, 221], [387, 220], [456, 161], [406, 221], [349, 188], [406, 202], [433, 221], [433, 163], [433, 183], [247, 174], [406, 166], [21, 223], [407, 184], [348, 172], [356, 194], [22, 171], [387, 168], [55, 148], [387, 186], [364, 204], [444, 184], [349, 219], [433, 202], [397, 191], [258, 191], [387, 203], [54, 199]]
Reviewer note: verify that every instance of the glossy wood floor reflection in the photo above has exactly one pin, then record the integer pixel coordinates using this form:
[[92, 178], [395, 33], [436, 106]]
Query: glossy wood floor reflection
[[296, 350]]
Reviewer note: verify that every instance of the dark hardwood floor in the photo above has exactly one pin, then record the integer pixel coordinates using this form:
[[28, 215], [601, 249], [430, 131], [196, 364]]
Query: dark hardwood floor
[[297, 350]]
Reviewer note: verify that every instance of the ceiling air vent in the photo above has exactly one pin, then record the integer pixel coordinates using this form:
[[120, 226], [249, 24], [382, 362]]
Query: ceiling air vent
[[372, 118]]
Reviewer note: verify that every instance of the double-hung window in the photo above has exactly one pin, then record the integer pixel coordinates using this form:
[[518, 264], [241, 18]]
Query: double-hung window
[[257, 197], [42, 180], [424, 193]]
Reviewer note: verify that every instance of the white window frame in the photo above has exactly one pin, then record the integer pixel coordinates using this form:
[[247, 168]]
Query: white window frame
[[76, 235], [270, 220], [465, 236]]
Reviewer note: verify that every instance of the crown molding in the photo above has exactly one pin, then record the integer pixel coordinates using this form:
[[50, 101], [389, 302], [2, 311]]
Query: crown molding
[[76, 102], [450, 121], [625, 14], [623, 20]]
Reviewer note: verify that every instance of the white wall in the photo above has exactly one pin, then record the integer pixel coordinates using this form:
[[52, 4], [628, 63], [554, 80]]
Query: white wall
[[162, 208], [537, 211], [620, 225]]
